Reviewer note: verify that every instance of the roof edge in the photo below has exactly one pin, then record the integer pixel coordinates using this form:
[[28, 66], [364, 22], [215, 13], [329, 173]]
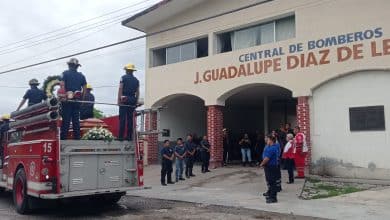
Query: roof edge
[[146, 11]]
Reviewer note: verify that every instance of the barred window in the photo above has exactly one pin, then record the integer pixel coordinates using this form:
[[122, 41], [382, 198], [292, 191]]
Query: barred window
[[369, 118]]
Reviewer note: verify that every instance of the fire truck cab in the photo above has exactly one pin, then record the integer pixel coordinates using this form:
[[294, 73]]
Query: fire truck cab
[[38, 165]]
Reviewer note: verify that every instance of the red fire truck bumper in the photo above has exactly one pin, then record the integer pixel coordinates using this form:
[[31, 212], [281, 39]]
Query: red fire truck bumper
[[90, 192]]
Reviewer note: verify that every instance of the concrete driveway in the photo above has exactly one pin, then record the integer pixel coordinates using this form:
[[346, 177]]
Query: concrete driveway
[[238, 186]]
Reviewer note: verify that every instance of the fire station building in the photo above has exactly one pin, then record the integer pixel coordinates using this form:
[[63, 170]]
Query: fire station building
[[251, 65]]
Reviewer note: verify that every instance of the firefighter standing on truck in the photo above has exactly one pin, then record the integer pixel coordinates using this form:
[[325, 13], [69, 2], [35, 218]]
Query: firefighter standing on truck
[[86, 109], [73, 84], [128, 95], [33, 95]]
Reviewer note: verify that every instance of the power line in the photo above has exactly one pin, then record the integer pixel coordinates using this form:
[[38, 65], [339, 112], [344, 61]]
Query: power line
[[88, 58], [137, 38], [109, 21], [72, 25], [110, 24], [55, 48]]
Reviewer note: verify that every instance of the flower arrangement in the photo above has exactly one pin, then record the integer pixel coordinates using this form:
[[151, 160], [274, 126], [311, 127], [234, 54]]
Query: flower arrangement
[[49, 84], [98, 134]]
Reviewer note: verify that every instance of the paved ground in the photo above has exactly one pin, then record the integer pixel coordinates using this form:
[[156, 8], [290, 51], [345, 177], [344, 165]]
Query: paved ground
[[241, 186], [225, 193], [131, 207]]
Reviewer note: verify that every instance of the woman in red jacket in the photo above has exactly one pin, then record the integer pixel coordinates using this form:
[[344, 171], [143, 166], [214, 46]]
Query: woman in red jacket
[[288, 156]]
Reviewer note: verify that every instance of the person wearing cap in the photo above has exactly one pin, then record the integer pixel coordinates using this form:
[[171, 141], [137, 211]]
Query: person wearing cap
[[86, 109], [72, 83], [34, 95], [128, 96]]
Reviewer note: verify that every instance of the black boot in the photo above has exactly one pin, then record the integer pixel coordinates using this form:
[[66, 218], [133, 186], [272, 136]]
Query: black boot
[[187, 174], [191, 174], [271, 200]]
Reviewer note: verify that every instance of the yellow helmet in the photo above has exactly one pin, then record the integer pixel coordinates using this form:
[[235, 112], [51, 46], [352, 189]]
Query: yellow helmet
[[88, 86], [130, 66], [6, 117]]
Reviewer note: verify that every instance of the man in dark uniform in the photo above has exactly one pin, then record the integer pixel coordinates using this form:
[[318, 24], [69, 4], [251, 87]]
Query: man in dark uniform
[[205, 154], [73, 83], [190, 155], [128, 95], [167, 157], [33, 95], [270, 164], [226, 144], [86, 109]]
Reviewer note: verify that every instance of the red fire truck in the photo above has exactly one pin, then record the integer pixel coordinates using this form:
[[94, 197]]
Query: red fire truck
[[37, 165]]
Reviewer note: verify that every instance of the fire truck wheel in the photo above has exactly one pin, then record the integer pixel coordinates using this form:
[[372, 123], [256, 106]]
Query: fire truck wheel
[[108, 199], [113, 198], [21, 199]]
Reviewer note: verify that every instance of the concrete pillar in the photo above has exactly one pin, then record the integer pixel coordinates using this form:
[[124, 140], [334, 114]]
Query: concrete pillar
[[214, 133], [211, 40], [266, 110], [151, 139], [303, 121]]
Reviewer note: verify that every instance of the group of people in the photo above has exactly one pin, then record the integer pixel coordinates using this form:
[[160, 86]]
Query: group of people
[[77, 100], [183, 155], [250, 147], [293, 154], [283, 148]]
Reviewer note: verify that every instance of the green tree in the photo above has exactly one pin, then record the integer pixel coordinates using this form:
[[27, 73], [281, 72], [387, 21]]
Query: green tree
[[97, 113]]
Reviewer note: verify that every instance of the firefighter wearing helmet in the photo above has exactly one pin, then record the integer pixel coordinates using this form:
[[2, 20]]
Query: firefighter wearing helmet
[[34, 95], [86, 110], [73, 84], [128, 96]]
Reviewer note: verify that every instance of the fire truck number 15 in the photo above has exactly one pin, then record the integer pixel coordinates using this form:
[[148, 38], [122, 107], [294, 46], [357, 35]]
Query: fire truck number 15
[[47, 147]]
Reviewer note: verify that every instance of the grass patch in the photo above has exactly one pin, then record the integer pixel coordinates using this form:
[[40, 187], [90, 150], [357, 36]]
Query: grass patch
[[326, 190], [313, 180]]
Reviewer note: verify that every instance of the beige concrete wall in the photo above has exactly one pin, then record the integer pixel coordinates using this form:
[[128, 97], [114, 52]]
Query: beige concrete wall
[[315, 19], [338, 151]]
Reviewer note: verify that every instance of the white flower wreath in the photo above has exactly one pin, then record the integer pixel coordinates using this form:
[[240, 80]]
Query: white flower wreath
[[98, 134]]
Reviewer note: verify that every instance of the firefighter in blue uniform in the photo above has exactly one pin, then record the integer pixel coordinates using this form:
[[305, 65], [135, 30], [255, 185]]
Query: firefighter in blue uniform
[[270, 164], [74, 85], [128, 95], [190, 147], [33, 95], [167, 157], [86, 109]]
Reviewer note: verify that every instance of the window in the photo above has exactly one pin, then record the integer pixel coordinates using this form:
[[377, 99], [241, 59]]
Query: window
[[277, 30], [285, 29], [173, 54], [180, 52], [159, 57], [371, 118], [188, 51]]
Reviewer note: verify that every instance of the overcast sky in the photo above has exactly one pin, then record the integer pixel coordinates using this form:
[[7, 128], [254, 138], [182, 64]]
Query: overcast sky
[[23, 19]]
